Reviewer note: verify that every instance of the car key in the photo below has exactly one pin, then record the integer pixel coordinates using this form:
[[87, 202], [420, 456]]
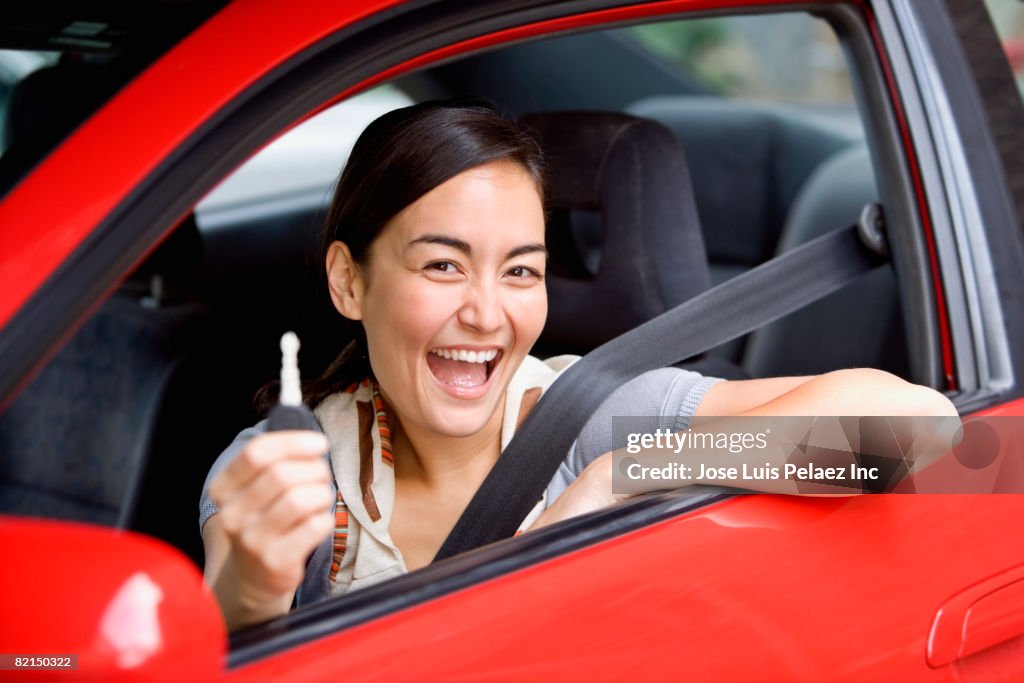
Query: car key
[[290, 413]]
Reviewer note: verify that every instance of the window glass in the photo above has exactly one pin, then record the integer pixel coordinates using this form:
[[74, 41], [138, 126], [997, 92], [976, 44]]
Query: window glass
[[305, 160], [1008, 17], [772, 58]]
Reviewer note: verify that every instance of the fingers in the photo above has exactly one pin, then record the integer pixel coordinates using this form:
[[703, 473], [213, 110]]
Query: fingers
[[291, 508], [272, 564], [281, 478], [262, 452]]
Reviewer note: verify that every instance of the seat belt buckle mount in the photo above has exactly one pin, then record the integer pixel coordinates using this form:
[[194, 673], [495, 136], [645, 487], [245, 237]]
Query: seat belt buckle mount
[[871, 230]]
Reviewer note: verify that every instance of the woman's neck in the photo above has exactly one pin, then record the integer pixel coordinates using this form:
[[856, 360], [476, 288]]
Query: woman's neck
[[439, 461]]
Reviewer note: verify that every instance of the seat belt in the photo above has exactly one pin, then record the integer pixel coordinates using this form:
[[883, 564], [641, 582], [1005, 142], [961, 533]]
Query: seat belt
[[747, 302]]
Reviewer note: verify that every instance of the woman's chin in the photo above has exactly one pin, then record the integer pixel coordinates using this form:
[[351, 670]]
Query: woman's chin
[[459, 416], [461, 425]]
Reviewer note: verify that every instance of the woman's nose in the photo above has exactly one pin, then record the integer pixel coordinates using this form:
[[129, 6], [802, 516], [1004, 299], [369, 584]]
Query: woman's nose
[[483, 309]]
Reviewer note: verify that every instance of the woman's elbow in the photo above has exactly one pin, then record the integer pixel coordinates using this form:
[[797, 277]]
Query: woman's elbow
[[934, 404], [892, 395]]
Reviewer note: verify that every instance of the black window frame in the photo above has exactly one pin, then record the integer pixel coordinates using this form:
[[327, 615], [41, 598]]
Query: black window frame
[[946, 52]]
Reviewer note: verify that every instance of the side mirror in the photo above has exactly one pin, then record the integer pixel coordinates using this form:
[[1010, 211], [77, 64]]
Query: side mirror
[[126, 607]]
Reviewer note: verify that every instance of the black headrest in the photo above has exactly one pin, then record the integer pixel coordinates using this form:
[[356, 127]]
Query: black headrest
[[627, 177], [49, 102], [44, 107], [169, 275]]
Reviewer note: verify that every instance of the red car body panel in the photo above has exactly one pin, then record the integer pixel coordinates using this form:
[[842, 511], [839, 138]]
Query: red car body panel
[[755, 588], [759, 586], [1008, 409], [112, 599], [762, 587]]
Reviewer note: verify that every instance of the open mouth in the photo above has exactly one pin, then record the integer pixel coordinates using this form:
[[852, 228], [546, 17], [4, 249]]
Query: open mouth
[[462, 372]]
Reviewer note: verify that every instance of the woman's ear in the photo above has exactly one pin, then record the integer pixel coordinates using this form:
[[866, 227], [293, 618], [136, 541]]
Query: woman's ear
[[345, 281]]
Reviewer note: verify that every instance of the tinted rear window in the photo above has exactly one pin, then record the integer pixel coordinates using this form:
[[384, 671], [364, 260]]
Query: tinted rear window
[[60, 61]]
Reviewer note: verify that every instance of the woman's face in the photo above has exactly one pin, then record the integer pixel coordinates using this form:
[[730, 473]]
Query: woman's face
[[452, 298]]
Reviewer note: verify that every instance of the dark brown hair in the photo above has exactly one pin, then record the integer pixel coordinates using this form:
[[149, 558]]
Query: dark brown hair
[[397, 159]]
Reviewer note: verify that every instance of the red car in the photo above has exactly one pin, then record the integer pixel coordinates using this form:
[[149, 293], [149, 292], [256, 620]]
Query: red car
[[143, 286]]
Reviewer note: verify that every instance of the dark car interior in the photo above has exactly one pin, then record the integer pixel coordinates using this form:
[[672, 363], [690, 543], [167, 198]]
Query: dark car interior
[[160, 379]]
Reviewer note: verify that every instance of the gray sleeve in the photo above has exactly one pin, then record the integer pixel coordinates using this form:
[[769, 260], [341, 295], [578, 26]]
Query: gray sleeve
[[207, 508], [662, 399]]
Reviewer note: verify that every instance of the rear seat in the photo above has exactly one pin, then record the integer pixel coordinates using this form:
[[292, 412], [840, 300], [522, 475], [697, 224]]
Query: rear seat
[[858, 326]]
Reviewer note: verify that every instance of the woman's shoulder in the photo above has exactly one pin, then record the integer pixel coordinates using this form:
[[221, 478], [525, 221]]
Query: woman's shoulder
[[665, 392]]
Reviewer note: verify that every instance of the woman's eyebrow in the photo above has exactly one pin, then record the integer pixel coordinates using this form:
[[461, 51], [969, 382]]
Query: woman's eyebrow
[[464, 247], [527, 249], [445, 241]]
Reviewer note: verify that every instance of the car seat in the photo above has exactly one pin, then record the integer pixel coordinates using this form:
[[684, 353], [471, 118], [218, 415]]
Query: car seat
[[623, 232], [74, 440], [859, 326], [45, 106]]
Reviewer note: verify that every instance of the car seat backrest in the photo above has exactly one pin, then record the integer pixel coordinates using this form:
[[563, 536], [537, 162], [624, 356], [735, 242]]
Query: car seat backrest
[[623, 233], [858, 326], [73, 442]]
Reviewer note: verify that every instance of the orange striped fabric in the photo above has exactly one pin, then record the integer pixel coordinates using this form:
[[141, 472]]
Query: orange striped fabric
[[382, 426], [340, 509], [340, 536]]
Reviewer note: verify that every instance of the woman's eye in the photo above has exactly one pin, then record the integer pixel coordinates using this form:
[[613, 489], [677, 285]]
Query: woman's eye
[[524, 272], [441, 267]]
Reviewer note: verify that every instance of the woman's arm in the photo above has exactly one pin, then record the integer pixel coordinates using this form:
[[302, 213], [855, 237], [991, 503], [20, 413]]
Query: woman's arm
[[861, 391], [273, 501], [840, 393]]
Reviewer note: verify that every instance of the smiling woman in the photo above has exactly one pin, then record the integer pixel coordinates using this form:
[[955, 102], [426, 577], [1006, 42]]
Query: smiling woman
[[435, 246]]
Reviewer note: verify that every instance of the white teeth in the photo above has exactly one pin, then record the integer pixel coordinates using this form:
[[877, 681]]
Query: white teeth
[[467, 356]]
